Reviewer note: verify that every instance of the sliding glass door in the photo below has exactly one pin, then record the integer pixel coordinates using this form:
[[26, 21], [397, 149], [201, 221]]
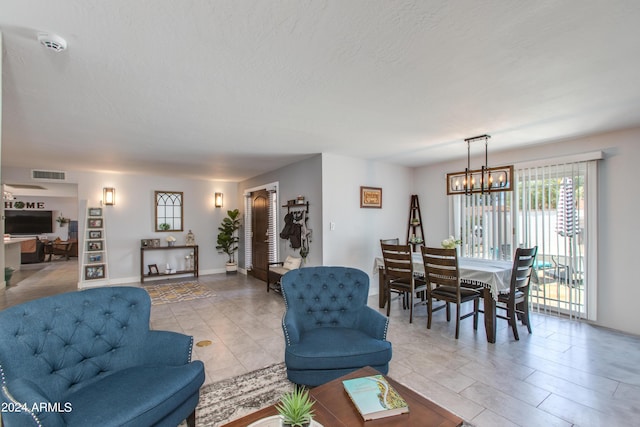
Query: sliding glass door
[[549, 208]]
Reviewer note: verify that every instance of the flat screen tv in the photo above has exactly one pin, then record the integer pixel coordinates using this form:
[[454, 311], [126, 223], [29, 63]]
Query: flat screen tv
[[28, 222]]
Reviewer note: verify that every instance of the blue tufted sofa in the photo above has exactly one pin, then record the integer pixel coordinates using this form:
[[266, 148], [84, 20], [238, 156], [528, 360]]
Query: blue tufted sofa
[[88, 359], [329, 329]]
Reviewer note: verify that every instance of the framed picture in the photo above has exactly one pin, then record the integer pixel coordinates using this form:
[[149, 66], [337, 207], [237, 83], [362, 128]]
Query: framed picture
[[95, 234], [94, 245], [92, 272], [94, 257], [95, 211], [153, 269], [94, 223], [149, 243], [370, 197]]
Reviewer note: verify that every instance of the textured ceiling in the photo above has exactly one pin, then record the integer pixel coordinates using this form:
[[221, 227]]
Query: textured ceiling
[[231, 89]]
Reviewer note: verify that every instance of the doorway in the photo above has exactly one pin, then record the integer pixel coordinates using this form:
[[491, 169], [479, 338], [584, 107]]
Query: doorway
[[260, 239], [261, 229]]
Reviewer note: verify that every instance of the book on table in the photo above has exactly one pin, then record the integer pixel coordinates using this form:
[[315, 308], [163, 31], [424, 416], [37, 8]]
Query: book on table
[[374, 397]]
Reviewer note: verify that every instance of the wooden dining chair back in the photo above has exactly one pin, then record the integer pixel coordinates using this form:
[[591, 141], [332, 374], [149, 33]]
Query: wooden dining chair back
[[442, 278], [516, 302], [399, 274], [394, 241]]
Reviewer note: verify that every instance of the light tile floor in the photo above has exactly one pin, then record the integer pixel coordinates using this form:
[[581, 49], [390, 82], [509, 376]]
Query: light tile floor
[[566, 373]]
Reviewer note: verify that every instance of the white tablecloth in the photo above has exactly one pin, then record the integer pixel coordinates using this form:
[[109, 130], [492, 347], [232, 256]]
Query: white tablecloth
[[492, 273]]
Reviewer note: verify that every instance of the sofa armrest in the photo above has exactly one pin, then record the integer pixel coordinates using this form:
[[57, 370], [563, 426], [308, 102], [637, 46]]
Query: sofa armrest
[[373, 323], [25, 404], [290, 329], [168, 348]]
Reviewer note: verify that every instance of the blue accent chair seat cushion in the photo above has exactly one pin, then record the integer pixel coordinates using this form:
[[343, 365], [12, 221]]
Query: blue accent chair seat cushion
[[88, 358], [329, 329]]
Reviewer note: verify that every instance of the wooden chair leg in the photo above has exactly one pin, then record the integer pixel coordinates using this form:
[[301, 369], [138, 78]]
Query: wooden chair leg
[[476, 307], [511, 313], [429, 311], [457, 320], [525, 314], [388, 300], [411, 308], [448, 312], [191, 419]]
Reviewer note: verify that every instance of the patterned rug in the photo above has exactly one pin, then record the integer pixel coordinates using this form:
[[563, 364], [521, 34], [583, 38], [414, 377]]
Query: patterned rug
[[236, 397], [176, 292]]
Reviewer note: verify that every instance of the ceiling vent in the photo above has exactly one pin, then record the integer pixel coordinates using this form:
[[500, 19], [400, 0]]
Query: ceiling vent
[[52, 42], [48, 175]]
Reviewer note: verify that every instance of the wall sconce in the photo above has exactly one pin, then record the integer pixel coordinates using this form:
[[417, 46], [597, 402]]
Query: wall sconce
[[484, 180], [218, 200], [108, 196]]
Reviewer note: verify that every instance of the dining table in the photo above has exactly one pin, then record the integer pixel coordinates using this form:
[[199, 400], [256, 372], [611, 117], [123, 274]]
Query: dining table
[[491, 277]]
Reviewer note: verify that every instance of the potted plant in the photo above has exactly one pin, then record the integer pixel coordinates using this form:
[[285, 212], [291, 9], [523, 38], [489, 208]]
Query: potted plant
[[8, 272], [227, 238], [296, 408], [62, 220]]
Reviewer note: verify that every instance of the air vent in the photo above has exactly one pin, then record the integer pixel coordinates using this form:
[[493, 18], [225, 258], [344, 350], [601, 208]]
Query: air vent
[[48, 175]]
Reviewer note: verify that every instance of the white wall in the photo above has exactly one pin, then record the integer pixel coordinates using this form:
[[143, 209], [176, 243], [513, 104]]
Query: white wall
[[618, 207], [132, 218], [355, 242]]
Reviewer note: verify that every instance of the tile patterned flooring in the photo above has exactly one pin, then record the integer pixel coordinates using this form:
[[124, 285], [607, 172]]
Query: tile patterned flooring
[[566, 373]]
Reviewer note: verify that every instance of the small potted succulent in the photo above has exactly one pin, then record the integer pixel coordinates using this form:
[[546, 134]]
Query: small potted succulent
[[296, 408]]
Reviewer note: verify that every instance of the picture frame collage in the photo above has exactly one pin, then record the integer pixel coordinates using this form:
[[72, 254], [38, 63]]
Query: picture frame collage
[[95, 263]]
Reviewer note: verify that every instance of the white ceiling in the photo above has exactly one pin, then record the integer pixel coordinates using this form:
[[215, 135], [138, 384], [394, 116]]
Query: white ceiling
[[229, 89]]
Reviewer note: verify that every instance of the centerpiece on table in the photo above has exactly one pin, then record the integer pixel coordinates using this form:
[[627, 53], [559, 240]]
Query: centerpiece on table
[[451, 243]]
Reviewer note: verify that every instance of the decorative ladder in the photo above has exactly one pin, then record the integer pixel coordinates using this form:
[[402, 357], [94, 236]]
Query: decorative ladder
[[415, 231]]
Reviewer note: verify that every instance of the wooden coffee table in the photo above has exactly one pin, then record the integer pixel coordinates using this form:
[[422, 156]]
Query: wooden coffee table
[[333, 408]]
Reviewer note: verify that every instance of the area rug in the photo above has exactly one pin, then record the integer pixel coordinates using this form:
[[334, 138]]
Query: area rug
[[236, 397], [177, 292]]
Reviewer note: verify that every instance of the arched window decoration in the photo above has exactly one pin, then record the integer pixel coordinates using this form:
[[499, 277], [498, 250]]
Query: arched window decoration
[[169, 210]]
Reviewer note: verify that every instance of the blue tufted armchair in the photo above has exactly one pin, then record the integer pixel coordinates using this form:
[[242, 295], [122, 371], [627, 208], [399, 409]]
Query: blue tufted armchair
[[329, 329], [88, 358]]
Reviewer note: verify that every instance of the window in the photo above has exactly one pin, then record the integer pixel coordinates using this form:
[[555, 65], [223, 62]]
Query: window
[[168, 211]]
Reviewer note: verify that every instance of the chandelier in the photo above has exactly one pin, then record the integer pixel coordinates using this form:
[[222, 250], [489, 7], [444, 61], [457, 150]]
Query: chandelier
[[483, 180]]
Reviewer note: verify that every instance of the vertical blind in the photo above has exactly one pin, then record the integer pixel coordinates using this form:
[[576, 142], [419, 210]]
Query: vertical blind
[[547, 209], [248, 233], [272, 228]]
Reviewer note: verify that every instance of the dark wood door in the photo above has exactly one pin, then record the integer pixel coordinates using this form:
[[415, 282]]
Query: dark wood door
[[260, 240]]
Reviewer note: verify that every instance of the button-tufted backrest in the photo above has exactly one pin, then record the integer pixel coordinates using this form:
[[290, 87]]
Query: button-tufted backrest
[[322, 297], [65, 341]]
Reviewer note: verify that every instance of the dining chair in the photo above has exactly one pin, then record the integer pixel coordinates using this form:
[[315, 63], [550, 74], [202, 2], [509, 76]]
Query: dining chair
[[399, 275], [516, 302], [443, 283], [401, 294]]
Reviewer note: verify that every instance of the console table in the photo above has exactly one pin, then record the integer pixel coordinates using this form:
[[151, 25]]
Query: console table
[[193, 271]]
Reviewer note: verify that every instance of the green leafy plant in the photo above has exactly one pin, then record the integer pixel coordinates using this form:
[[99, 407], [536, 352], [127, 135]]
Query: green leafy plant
[[295, 407], [62, 220], [164, 226], [227, 241]]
